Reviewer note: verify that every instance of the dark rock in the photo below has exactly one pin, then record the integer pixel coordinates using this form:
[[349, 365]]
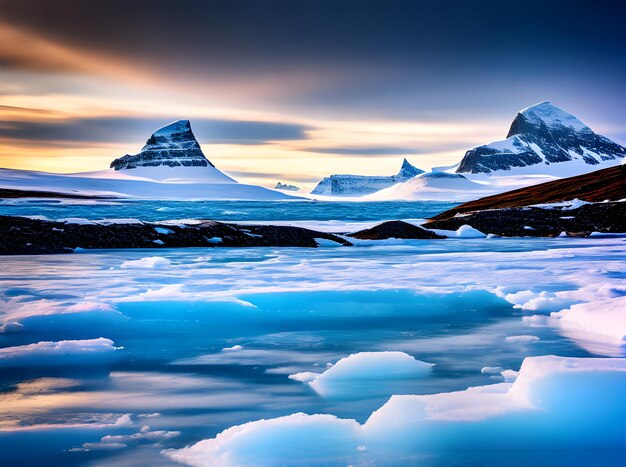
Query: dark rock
[[13, 193], [21, 235], [395, 229], [541, 222]]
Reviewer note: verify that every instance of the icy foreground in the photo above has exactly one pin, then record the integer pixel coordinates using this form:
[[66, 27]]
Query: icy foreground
[[552, 404], [182, 344]]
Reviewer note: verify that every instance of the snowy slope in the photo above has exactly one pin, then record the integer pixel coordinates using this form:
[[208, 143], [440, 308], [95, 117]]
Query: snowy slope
[[432, 185], [544, 139], [101, 185], [358, 185], [170, 166]]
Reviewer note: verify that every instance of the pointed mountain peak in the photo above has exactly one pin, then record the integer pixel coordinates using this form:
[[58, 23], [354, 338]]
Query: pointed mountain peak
[[173, 145], [172, 136], [179, 126], [548, 115], [545, 105], [408, 170]]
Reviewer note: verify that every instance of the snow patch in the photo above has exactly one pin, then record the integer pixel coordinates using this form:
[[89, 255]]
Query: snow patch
[[152, 262]]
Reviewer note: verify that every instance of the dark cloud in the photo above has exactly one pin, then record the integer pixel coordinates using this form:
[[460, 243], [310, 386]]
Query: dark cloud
[[127, 129], [428, 59], [270, 32]]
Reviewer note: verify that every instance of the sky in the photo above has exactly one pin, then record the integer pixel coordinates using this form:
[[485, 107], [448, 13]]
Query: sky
[[296, 90]]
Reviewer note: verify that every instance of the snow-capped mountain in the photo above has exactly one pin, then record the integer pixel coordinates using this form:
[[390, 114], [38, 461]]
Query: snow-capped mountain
[[543, 135], [357, 185], [170, 166], [174, 145], [172, 153], [286, 187]]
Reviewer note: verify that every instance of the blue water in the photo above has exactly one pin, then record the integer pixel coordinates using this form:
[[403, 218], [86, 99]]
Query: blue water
[[225, 210]]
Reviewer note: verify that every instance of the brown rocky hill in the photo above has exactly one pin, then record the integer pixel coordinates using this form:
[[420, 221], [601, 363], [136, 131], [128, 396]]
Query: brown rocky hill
[[601, 185]]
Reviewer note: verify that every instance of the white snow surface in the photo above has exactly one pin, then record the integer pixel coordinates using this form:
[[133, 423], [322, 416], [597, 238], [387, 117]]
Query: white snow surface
[[605, 319], [153, 262], [440, 186], [144, 182], [552, 116]]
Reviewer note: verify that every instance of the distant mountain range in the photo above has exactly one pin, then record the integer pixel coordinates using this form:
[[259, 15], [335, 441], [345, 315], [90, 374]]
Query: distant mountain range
[[543, 143], [358, 185], [286, 187]]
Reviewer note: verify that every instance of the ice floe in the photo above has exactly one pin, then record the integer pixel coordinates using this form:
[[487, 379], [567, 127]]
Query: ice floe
[[87, 351], [366, 373], [551, 405], [153, 262]]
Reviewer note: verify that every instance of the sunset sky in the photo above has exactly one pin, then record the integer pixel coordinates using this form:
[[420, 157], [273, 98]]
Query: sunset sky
[[295, 90]]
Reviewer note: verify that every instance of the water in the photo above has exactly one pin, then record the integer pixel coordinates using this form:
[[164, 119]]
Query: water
[[224, 210], [290, 310]]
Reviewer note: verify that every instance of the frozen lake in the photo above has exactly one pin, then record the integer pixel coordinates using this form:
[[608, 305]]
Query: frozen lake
[[164, 348]]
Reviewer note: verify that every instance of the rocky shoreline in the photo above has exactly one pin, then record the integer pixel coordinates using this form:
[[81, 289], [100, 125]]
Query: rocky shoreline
[[22, 235], [533, 221]]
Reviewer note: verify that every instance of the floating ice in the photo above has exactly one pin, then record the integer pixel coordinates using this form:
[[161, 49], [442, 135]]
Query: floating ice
[[509, 375], [324, 242], [305, 376], [115, 442], [87, 351], [602, 317], [597, 322], [467, 231], [521, 339], [552, 405], [285, 441], [491, 370], [367, 373], [153, 262], [10, 327]]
